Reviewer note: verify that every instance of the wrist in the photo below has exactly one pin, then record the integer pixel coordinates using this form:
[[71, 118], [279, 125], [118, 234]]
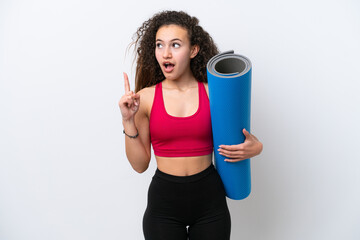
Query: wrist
[[128, 122], [130, 129], [132, 136]]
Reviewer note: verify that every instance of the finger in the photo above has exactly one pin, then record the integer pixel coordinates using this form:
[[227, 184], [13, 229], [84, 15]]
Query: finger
[[134, 108], [246, 133], [129, 93], [126, 82], [232, 147], [136, 102], [234, 160], [129, 101], [231, 154], [133, 95], [226, 147], [136, 98], [235, 156]]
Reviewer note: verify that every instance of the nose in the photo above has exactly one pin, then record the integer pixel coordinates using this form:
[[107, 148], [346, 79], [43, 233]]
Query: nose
[[167, 53]]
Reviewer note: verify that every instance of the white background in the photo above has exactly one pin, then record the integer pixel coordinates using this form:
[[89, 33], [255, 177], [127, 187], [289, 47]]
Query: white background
[[63, 169]]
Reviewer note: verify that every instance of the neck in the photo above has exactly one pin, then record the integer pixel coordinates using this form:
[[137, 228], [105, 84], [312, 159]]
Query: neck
[[184, 82]]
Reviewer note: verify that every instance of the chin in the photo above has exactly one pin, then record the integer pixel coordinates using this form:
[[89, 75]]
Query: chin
[[170, 76]]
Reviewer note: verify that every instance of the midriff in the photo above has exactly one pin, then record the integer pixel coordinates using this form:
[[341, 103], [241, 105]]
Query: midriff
[[183, 166]]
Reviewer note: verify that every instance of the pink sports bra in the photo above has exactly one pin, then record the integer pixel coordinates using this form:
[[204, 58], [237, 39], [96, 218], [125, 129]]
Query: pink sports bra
[[180, 136]]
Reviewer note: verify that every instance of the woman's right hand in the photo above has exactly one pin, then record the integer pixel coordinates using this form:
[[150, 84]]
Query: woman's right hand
[[129, 102]]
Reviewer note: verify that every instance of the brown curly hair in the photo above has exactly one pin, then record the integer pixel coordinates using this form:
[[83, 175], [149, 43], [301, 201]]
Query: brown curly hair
[[148, 71]]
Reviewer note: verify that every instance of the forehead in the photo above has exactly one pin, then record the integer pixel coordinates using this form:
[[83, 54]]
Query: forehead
[[168, 32]]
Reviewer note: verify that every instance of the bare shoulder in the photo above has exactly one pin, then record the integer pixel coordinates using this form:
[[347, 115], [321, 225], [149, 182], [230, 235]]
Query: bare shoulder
[[147, 94], [146, 99]]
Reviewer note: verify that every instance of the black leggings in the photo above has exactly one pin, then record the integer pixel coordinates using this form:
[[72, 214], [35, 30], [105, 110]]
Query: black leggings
[[190, 207]]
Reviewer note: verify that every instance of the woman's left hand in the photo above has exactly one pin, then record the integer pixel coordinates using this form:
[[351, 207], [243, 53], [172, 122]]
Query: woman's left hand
[[248, 149]]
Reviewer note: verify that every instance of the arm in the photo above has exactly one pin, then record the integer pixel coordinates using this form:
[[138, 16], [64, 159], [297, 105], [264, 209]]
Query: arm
[[135, 121], [138, 149]]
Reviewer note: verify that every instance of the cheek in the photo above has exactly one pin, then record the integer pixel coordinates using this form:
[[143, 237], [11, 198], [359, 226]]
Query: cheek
[[184, 56]]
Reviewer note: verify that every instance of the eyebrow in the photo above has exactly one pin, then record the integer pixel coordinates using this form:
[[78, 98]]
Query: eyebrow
[[175, 39]]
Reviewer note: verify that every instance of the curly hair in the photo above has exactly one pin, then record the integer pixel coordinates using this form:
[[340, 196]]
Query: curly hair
[[148, 71]]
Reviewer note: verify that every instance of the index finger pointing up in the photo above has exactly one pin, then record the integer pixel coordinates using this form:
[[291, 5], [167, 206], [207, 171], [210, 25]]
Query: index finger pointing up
[[127, 84]]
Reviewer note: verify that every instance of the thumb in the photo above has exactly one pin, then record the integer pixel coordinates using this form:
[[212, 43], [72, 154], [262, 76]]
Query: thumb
[[246, 133]]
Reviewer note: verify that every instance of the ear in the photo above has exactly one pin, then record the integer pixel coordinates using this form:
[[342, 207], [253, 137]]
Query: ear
[[194, 51]]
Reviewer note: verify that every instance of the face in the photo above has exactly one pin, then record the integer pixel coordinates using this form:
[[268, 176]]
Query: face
[[174, 51]]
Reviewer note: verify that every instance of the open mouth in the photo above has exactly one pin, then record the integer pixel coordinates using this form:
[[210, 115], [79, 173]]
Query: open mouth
[[168, 66]]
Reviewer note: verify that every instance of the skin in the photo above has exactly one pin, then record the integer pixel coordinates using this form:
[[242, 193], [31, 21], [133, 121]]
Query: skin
[[180, 93]]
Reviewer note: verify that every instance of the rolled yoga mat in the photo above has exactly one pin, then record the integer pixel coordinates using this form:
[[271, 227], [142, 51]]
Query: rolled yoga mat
[[229, 81]]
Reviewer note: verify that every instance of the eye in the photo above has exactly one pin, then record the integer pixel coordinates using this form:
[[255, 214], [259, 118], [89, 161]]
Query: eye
[[159, 45], [176, 45]]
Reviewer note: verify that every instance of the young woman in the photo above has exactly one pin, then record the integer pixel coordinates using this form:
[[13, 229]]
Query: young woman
[[170, 110]]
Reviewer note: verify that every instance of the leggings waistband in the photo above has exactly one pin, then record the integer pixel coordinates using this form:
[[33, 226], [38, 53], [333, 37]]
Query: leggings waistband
[[185, 179]]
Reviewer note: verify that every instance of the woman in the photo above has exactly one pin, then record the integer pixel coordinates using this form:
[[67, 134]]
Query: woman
[[186, 197]]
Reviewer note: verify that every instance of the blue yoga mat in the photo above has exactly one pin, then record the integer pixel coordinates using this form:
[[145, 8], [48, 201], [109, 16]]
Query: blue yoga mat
[[229, 81]]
